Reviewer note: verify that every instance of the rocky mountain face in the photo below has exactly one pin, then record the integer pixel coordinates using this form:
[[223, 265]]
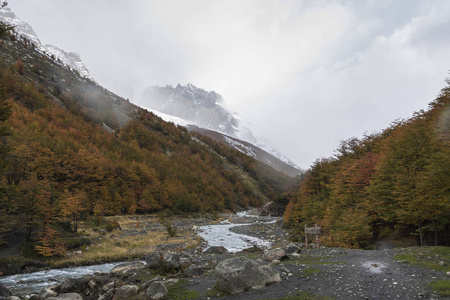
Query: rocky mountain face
[[71, 60], [205, 112], [193, 105]]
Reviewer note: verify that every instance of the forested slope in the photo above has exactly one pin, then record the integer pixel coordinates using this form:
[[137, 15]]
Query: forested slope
[[394, 184], [73, 150]]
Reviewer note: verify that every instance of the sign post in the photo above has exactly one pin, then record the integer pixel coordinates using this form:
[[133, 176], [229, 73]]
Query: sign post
[[312, 230]]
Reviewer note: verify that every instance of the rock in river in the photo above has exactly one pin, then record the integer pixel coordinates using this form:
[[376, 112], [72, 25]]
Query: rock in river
[[4, 292], [127, 266], [216, 250]]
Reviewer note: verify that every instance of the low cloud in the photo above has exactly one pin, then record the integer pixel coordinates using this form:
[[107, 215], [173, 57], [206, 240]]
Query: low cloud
[[305, 74]]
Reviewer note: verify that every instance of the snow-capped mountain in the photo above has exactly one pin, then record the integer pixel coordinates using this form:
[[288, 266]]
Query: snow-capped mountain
[[192, 104], [206, 110], [72, 60]]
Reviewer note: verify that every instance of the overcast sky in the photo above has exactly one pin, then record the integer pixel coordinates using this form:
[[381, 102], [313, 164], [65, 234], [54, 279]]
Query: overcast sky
[[305, 74]]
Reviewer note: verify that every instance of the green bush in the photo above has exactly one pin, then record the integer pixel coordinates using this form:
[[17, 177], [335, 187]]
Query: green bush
[[111, 225], [170, 228]]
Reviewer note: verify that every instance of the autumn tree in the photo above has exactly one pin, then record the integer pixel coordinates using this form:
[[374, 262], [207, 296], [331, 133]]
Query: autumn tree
[[50, 244], [72, 206], [5, 201]]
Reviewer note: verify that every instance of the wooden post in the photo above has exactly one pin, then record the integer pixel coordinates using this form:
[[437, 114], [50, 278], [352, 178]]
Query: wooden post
[[306, 236], [317, 239]]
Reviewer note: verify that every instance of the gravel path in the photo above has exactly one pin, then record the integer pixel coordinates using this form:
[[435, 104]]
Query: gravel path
[[341, 274]]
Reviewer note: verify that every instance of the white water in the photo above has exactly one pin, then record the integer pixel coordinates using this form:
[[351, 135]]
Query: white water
[[22, 284], [220, 235]]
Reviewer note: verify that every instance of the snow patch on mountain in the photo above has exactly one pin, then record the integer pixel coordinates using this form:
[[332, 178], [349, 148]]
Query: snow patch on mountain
[[72, 59], [169, 118], [241, 147]]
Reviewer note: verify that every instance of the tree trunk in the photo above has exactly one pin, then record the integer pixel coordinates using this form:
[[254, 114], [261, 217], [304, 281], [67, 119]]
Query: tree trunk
[[420, 233], [435, 233]]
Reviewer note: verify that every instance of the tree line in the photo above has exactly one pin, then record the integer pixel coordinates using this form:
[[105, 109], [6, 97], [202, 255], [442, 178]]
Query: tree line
[[391, 185]]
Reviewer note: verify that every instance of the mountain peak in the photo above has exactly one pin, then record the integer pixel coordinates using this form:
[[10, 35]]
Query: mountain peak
[[72, 59]]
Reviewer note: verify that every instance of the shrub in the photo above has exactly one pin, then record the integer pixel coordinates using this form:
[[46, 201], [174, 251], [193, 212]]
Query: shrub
[[171, 229], [111, 225]]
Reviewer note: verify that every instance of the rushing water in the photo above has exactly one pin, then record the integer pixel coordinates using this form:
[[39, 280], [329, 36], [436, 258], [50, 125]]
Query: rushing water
[[22, 284], [214, 235], [220, 235]]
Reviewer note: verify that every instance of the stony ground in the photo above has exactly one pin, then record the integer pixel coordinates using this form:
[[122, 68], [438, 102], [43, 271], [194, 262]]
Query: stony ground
[[339, 274]]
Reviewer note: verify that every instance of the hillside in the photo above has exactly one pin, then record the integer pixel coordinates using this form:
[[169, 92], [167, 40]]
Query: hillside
[[76, 151], [249, 149], [391, 185]]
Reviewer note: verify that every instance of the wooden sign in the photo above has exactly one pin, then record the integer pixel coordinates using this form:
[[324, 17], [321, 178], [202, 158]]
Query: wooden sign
[[312, 230]]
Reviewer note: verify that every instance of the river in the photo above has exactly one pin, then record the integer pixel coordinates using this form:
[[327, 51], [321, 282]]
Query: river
[[214, 235]]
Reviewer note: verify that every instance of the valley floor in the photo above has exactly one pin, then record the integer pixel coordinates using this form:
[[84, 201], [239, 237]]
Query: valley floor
[[325, 273]]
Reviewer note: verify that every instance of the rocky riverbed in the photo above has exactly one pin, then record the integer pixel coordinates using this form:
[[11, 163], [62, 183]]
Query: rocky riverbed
[[281, 270]]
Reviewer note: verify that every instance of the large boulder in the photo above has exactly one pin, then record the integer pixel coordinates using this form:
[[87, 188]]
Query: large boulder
[[154, 259], [78, 285], [156, 291], [239, 274], [216, 250], [125, 292], [292, 249], [4, 292], [274, 254], [194, 271], [67, 296], [47, 292], [169, 261], [127, 266]]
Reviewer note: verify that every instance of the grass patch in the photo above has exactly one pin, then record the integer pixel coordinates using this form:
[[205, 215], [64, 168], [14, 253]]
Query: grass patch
[[117, 246], [305, 296], [434, 258], [215, 292], [441, 287], [179, 291]]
